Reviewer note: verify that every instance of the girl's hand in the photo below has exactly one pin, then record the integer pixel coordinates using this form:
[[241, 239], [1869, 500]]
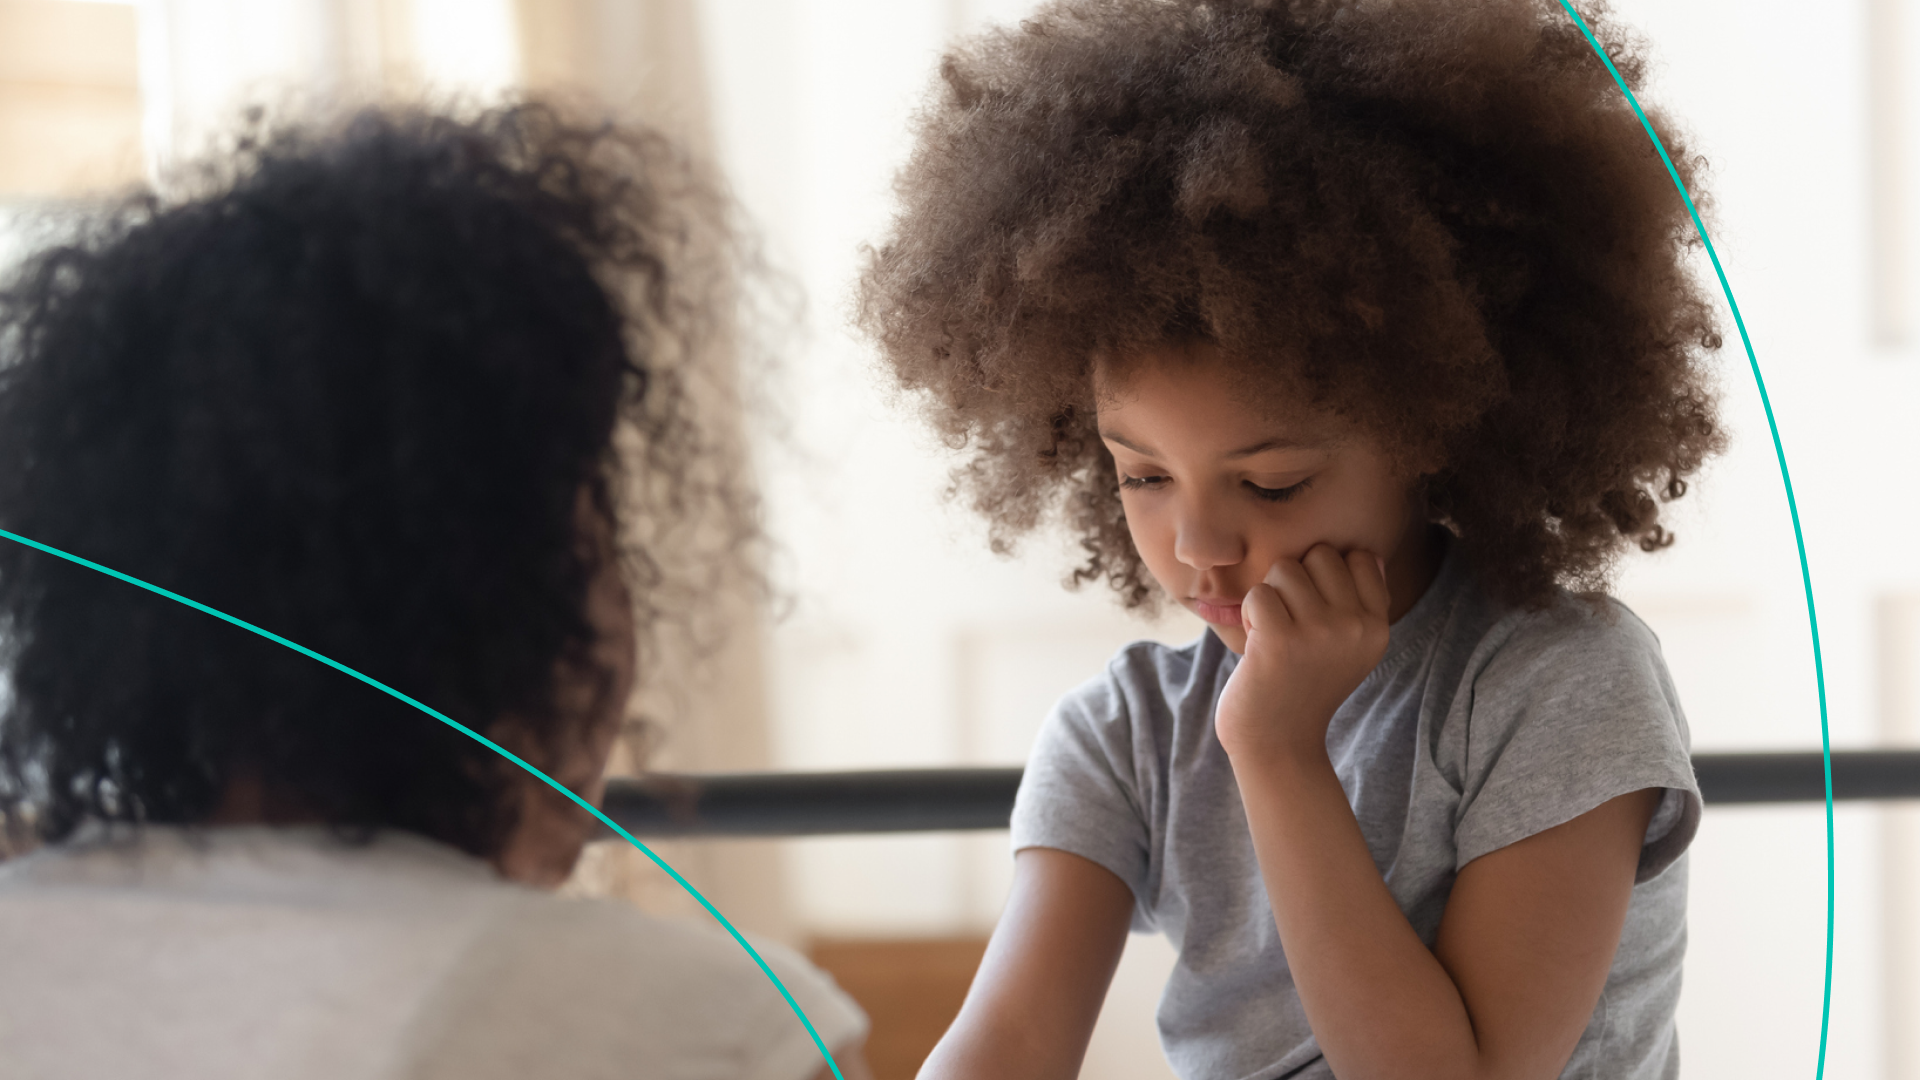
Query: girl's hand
[[1315, 628]]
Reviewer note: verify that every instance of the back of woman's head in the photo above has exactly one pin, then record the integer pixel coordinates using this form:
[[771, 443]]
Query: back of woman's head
[[351, 389]]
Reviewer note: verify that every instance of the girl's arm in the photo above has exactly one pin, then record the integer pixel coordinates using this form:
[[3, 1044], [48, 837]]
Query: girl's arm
[[1523, 950], [1529, 931], [1033, 1003]]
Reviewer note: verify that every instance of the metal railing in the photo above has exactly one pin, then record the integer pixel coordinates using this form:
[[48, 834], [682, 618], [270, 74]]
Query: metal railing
[[935, 800]]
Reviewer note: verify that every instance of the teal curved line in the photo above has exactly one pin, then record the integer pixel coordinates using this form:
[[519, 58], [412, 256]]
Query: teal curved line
[[1793, 509], [476, 737]]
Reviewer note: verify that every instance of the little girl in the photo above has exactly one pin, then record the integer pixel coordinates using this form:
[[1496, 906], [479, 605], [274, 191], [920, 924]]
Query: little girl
[[1362, 330]]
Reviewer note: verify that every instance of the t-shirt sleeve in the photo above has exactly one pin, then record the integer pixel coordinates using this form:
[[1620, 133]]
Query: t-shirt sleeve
[[585, 990], [1080, 792], [1572, 709], [778, 1045]]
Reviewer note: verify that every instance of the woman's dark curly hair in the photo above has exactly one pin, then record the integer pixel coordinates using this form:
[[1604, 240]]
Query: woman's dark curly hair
[[1440, 220], [348, 385]]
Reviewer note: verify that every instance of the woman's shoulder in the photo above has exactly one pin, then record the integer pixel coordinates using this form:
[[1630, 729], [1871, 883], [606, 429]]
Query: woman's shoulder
[[561, 986], [461, 972], [610, 941]]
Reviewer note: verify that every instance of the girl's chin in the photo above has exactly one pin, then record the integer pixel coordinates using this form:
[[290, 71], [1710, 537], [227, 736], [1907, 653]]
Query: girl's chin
[[1233, 637]]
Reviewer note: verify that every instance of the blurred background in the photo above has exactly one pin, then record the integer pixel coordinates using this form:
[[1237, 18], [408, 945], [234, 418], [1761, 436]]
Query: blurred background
[[901, 642]]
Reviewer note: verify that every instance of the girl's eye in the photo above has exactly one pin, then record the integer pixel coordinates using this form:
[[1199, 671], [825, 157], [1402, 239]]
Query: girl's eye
[[1277, 494], [1132, 483]]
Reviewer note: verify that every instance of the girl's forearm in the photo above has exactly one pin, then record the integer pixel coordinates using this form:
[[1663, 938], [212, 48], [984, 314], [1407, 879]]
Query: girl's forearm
[[1381, 1005], [1038, 992], [972, 1054]]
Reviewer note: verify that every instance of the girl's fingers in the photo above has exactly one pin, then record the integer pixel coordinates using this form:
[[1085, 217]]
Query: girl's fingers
[[1370, 582], [1296, 588], [1324, 580], [1332, 577], [1262, 611]]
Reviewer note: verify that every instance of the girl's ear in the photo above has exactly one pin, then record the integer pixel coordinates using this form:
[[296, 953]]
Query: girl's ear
[[1419, 488], [1415, 471], [1423, 464]]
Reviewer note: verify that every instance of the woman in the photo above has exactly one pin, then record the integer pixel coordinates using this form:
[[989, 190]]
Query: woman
[[363, 387]]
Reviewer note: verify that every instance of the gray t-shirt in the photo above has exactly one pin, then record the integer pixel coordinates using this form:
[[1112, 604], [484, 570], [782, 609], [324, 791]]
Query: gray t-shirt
[[1482, 725]]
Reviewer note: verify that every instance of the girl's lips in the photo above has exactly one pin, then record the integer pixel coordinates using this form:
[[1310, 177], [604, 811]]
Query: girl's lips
[[1218, 614]]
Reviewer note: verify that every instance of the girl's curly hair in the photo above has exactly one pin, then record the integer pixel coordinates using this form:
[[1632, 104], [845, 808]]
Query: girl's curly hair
[[348, 384], [1442, 220]]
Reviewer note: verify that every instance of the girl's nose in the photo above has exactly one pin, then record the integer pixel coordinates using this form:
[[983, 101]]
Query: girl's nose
[[1203, 541]]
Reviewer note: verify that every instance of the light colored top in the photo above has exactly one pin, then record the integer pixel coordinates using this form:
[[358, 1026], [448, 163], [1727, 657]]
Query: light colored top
[[1481, 726], [282, 952]]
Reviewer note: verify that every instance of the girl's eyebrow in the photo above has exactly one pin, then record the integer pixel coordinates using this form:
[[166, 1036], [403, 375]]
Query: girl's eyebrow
[[1269, 444], [1257, 448], [1126, 442]]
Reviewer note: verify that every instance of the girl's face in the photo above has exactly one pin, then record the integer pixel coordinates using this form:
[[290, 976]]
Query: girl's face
[[1216, 490]]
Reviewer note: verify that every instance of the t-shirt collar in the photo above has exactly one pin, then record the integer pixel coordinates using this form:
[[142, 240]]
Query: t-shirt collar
[[1421, 621]]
